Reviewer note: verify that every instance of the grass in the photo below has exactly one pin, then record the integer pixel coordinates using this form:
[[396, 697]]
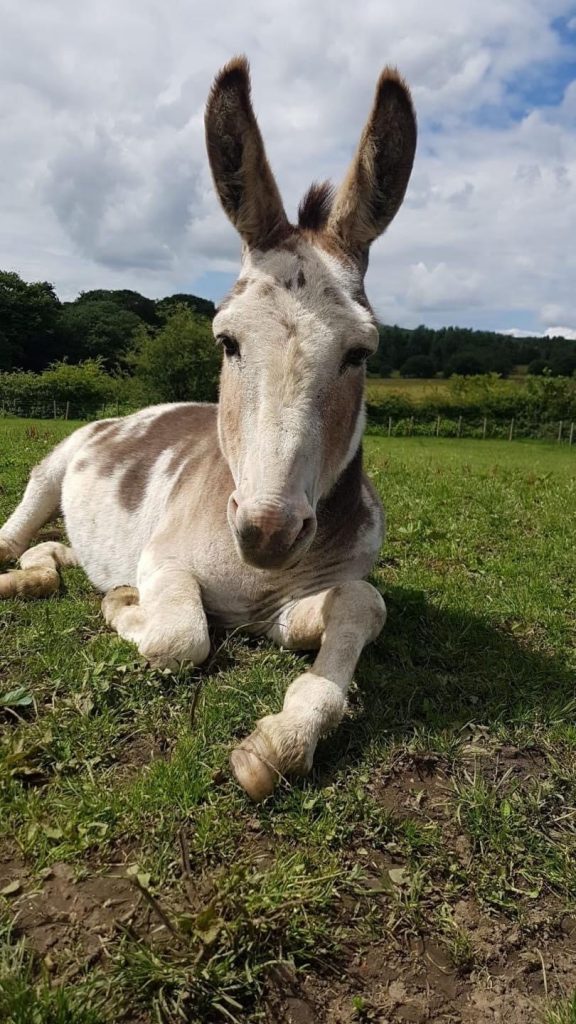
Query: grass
[[442, 810], [417, 390], [565, 1013]]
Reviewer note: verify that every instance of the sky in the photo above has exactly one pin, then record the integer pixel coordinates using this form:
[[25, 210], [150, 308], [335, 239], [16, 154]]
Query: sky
[[104, 181]]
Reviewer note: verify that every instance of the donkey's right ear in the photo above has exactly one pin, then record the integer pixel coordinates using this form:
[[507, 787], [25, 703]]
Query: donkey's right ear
[[374, 187], [242, 174]]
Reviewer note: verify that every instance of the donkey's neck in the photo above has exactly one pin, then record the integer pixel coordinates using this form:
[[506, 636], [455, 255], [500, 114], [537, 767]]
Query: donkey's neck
[[343, 503]]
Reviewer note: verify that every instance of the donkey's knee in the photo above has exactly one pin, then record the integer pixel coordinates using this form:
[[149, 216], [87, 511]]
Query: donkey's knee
[[165, 645], [48, 554], [164, 638]]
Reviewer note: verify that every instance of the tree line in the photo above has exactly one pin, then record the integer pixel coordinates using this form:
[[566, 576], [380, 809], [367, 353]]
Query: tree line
[[425, 352], [37, 329], [165, 347]]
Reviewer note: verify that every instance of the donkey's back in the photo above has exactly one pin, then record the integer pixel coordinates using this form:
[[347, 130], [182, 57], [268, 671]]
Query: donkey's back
[[113, 481]]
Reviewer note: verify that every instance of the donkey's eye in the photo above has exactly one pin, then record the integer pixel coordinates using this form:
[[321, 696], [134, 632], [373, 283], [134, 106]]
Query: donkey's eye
[[229, 344], [355, 357]]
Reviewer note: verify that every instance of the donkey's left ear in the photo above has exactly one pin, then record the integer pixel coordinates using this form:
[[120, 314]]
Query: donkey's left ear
[[373, 190], [242, 174]]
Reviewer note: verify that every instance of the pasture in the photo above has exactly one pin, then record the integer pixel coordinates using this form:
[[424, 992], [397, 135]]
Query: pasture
[[426, 871], [418, 390]]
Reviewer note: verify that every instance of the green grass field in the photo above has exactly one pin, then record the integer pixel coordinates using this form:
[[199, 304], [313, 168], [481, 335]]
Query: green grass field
[[426, 871], [416, 390]]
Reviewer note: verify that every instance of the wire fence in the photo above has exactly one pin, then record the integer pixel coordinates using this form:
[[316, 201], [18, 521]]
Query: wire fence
[[62, 410], [484, 428]]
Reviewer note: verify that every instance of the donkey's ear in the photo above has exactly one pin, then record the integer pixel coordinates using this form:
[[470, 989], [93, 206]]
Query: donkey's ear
[[374, 187], [242, 175]]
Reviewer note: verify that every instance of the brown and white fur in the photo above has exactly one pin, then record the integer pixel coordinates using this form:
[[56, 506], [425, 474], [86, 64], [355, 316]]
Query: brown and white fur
[[254, 512]]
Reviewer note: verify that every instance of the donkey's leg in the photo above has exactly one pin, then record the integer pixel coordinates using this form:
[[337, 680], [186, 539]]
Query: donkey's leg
[[40, 502], [38, 575], [339, 621], [164, 617]]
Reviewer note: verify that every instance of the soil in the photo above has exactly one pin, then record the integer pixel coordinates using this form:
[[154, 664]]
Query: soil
[[69, 916], [417, 982], [413, 979]]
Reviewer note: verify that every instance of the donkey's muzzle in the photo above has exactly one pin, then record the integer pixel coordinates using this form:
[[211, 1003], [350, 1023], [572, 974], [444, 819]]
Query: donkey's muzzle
[[271, 536]]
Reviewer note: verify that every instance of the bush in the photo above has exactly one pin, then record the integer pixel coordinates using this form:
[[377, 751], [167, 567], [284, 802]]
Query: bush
[[85, 386], [465, 364], [543, 400], [178, 363], [537, 367], [418, 366]]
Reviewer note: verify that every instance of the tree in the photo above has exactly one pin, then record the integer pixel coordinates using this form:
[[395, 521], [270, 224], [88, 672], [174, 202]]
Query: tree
[[563, 364], [418, 366], [125, 298], [180, 362], [537, 367], [465, 364], [28, 321], [98, 328], [164, 307]]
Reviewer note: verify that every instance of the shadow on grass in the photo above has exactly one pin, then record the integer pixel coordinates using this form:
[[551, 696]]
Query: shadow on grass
[[432, 671]]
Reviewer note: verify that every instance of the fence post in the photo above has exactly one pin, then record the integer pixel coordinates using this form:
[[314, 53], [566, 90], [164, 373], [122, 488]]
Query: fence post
[[560, 425], [459, 434], [389, 426], [570, 442], [411, 427], [67, 410], [54, 407], [484, 428], [437, 426], [511, 434]]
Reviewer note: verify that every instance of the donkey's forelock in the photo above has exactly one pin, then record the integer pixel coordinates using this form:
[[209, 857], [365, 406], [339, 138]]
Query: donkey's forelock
[[316, 205]]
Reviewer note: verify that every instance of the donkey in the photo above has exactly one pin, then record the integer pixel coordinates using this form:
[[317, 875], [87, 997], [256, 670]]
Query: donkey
[[254, 512]]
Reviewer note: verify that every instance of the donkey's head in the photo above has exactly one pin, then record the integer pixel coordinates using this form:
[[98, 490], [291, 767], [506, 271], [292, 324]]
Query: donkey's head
[[297, 329]]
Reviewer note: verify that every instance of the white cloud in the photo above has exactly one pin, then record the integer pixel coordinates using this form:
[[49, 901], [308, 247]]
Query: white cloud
[[560, 332], [550, 332], [104, 179]]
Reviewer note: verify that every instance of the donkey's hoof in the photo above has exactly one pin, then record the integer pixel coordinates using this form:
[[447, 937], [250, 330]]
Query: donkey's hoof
[[8, 585], [115, 599], [29, 583], [254, 767], [7, 553]]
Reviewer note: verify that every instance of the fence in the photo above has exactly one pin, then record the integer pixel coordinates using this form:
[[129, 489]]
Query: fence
[[69, 410], [561, 431]]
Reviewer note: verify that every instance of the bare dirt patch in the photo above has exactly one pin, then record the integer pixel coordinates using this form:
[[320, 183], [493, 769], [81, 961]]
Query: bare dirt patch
[[392, 982], [511, 966], [68, 915]]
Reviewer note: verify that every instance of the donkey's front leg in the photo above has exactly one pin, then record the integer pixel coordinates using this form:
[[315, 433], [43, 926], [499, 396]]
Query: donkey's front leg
[[339, 621], [164, 616]]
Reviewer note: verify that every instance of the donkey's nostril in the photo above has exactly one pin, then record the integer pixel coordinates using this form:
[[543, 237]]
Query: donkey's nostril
[[308, 527]]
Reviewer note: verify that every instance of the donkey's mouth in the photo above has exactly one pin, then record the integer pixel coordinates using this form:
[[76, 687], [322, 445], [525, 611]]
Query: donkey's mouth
[[273, 551]]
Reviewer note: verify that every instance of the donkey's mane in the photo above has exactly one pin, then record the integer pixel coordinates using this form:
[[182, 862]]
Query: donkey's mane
[[315, 207]]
